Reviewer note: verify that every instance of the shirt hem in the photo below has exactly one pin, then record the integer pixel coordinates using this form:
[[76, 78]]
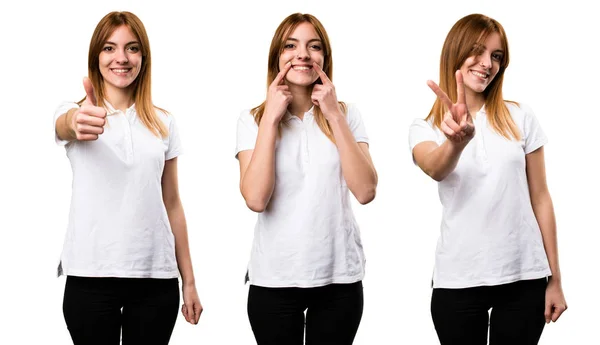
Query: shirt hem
[[306, 283], [120, 274], [492, 282]]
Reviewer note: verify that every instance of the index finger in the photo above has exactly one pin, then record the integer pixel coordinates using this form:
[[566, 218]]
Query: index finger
[[322, 75], [440, 93], [89, 91], [279, 78], [460, 88]]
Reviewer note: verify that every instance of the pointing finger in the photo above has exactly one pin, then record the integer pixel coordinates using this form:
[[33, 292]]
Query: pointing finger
[[460, 88], [440, 93], [324, 78], [279, 78]]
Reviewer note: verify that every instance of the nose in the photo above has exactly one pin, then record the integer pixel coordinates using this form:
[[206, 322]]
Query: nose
[[121, 56], [302, 53], [485, 60]]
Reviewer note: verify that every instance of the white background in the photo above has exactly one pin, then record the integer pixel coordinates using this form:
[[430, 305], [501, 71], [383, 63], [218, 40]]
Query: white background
[[209, 64]]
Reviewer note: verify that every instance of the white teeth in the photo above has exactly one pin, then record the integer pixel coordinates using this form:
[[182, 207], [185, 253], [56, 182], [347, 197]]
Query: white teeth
[[481, 75], [120, 70], [301, 68]]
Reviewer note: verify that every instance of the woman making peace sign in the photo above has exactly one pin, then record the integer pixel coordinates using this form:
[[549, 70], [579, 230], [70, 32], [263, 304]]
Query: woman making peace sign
[[498, 235], [300, 153]]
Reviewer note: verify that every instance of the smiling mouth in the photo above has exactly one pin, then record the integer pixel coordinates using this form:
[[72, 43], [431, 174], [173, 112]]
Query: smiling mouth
[[301, 68], [480, 75], [120, 70]]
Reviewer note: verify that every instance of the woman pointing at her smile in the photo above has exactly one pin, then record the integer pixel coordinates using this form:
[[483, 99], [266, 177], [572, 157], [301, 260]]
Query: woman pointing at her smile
[[301, 153]]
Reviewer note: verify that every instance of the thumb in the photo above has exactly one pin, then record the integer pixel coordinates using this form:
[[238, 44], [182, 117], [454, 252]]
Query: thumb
[[90, 98], [548, 312]]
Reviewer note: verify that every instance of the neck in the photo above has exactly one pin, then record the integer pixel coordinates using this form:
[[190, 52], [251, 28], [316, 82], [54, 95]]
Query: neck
[[120, 99], [475, 101], [301, 101]]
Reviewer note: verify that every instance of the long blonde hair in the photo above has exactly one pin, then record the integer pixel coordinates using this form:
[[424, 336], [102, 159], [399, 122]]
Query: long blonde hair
[[142, 85], [463, 41], [283, 32]]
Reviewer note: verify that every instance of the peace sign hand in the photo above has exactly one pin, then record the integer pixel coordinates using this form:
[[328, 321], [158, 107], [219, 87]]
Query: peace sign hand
[[279, 96], [324, 96], [457, 124]]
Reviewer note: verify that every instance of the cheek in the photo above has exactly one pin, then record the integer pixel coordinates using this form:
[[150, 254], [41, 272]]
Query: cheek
[[318, 58], [284, 58], [139, 63], [103, 61]]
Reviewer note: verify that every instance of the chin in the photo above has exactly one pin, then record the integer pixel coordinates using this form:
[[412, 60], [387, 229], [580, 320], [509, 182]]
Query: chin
[[302, 82]]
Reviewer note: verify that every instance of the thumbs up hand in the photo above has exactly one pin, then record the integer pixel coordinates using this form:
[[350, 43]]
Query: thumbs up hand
[[87, 122]]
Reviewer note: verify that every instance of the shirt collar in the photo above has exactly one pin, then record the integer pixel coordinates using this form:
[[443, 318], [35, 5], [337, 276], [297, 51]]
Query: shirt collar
[[288, 116], [482, 110], [110, 110]]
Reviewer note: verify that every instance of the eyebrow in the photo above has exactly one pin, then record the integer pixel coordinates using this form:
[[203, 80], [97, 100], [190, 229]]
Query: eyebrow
[[297, 40], [114, 44], [483, 46]]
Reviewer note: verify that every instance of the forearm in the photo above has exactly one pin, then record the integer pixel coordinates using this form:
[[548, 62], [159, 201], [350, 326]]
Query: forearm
[[259, 177], [544, 213], [182, 248], [442, 161], [62, 128], [357, 169]]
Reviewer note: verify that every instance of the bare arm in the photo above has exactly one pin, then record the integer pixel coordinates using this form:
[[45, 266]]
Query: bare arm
[[437, 161], [257, 168], [170, 190], [63, 129], [544, 213], [357, 165]]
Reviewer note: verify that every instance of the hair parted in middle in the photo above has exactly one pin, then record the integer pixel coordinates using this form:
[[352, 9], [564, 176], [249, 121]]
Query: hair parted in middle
[[142, 84], [283, 32], [465, 39]]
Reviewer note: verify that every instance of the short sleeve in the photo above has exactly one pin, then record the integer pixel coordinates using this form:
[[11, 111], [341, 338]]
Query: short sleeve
[[174, 148], [247, 132], [62, 108], [420, 131], [356, 125], [534, 135]]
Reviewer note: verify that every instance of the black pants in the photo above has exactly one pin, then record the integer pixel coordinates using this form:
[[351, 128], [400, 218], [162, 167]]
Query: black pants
[[92, 310], [333, 313], [460, 316]]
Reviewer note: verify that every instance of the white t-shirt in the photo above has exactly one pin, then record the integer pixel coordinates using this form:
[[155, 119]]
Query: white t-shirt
[[118, 224], [489, 233], [307, 236]]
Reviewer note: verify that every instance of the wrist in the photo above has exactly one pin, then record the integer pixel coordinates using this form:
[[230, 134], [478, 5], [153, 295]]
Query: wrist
[[555, 279], [188, 282], [457, 147], [69, 125], [336, 117], [269, 122]]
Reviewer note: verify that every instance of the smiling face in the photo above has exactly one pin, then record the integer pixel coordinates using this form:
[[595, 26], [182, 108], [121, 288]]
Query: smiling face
[[480, 69], [120, 60], [302, 48]]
